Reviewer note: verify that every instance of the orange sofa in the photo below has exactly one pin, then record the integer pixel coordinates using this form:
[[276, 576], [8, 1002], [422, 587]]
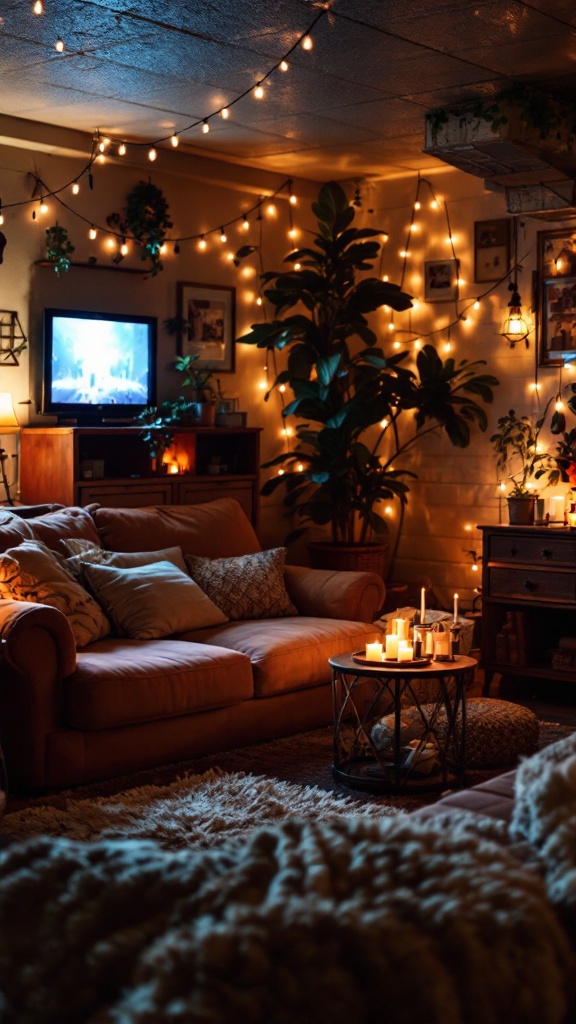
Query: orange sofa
[[69, 716]]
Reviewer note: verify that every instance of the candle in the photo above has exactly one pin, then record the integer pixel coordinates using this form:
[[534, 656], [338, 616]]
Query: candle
[[401, 628], [391, 647], [455, 607], [405, 653], [429, 642], [423, 605], [374, 652]]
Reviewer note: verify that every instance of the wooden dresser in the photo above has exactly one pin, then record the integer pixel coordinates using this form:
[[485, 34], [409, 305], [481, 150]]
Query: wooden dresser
[[528, 600]]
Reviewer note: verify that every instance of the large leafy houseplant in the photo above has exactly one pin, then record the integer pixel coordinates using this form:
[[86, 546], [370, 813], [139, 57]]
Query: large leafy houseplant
[[361, 410]]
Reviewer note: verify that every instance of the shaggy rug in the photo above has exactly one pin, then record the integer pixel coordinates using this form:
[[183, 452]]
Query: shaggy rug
[[199, 811]]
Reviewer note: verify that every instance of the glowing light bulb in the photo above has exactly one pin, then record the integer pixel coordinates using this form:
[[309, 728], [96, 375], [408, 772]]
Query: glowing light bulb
[[258, 92], [460, 282], [390, 326], [38, 7], [59, 45], [163, 249], [174, 141], [384, 424], [447, 346], [259, 300], [299, 468], [280, 472], [230, 256], [224, 113], [111, 242], [388, 510], [293, 200], [433, 204], [202, 244], [502, 486], [559, 405], [122, 149], [205, 127], [245, 224], [92, 233], [559, 263], [271, 210], [152, 154], [282, 389], [223, 236], [418, 344], [534, 387], [417, 205], [297, 266], [397, 344], [448, 239], [292, 233], [404, 253], [477, 304], [414, 227], [124, 249], [307, 43], [263, 385], [283, 65], [1, 218], [474, 566], [385, 277], [43, 207], [75, 188], [385, 237]]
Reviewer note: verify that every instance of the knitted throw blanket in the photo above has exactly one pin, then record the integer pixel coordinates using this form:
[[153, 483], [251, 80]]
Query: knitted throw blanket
[[305, 923]]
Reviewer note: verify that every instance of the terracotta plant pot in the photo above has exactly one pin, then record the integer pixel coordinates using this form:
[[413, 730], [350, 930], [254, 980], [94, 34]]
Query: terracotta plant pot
[[521, 510], [205, 414]]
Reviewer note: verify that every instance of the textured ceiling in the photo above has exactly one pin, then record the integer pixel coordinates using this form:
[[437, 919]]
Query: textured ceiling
[[352, 107]]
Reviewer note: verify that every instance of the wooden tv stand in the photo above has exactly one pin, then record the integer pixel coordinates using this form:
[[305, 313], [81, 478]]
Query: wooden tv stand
[[112, 465], [528, 600]]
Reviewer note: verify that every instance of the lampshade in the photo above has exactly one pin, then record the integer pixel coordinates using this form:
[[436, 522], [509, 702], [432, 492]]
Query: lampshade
[[8, 421]]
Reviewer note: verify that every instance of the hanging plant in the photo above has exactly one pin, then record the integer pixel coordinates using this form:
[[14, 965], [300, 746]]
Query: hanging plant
[[59, 248], [145, 219]]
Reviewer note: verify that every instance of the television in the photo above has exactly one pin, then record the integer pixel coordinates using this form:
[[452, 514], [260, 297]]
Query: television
[[97, 367]]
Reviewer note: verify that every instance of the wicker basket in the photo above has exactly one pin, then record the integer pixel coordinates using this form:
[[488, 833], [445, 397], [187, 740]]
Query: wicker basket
[[355, 557]]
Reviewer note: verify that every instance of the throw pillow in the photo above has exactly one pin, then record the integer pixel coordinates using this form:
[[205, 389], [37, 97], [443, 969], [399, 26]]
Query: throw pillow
[[150, 601], [31, 572], [80, 551], [246, 587]]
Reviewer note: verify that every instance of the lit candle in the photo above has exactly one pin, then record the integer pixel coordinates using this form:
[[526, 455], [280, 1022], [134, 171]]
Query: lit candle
[[429, 642], [374, 652], [391, 646], [423, 605], [455, 607], [406, 653], [401, 628]]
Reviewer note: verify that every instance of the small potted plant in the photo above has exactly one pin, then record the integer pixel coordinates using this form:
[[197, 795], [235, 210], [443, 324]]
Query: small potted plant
[[519, 454], [202, 392]]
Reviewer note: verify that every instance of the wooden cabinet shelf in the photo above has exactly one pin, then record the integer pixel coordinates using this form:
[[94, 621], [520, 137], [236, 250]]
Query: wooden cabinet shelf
[[112, 466], [528, 600]]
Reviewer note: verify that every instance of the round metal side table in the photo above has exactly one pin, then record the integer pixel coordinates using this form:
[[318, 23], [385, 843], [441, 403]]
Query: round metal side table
[[364, 693]]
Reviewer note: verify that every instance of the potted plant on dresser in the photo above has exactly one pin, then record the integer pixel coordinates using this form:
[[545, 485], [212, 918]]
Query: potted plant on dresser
[[361, 410], [520, 456]]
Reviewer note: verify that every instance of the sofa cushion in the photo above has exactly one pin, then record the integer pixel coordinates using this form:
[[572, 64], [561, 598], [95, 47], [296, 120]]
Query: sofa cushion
[[52, 529], [215, 529], [80, 551], [149, 601], [247, 587], [289, 653], [31, 572], [120, 682]]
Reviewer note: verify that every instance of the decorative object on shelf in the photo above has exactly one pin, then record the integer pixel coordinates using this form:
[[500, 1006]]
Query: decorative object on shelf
[[556, 305], [8, 425], [361, 410], [440, 280], [145, 220], [59, 248], [205, 325], [9, 338], [516, 444], [491, 249]]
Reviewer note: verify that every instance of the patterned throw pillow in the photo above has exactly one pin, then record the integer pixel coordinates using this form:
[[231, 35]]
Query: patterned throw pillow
[[246, 587], [31, 572], [80, 551], [150, 601]]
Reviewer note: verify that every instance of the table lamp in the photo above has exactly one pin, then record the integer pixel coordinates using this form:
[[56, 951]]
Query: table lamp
[[8, 425]]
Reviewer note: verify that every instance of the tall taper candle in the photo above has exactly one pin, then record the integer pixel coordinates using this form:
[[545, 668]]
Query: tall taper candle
[[455, 607], [423, 605]]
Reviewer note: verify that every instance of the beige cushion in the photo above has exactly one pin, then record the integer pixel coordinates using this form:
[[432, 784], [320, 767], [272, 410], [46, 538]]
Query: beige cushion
[[31, 572], [150, 601], [80, 551], [216, 529], [247, 587]]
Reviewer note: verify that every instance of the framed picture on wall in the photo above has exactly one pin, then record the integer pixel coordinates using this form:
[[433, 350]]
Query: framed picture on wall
[[208, 314], [440, 280], [491, 249], [556, 296]]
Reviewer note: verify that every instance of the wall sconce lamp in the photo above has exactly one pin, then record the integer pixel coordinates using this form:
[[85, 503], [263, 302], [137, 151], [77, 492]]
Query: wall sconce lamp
[[8, 425], [515, 328]]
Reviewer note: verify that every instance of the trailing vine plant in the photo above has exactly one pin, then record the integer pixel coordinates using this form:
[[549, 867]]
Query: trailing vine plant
[[145, 219], [59, 248]]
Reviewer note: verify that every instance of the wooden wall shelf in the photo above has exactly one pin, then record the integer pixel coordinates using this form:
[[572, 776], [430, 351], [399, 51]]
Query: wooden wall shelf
[[98, 266]]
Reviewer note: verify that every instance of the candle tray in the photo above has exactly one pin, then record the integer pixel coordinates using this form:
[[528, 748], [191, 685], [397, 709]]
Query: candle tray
[[360, 657]]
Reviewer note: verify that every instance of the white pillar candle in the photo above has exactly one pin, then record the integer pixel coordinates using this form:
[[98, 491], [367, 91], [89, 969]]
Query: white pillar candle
[[423, 605], [401, 628], [391, 647], [429, 642], [455, 607], [406, 653], [374, 652]]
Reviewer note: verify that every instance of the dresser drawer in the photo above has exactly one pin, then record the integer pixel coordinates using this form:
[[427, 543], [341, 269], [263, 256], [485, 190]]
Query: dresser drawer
[[532, 584], [549, 550]]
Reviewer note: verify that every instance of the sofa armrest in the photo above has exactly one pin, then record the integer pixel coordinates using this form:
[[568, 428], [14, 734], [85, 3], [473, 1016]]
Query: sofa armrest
[[37, 652], [358, 596]]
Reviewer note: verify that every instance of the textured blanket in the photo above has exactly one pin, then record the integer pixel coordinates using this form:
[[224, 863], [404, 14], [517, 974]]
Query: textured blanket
[[304, 923]]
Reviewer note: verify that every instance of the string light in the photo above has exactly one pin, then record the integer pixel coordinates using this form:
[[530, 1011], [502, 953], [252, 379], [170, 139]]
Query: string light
[[59, 45], [75, 188], [92, 233], [174, 141], [477, 304], [271, 210], [224, 113], [223, 236], [245, 223], [38, 8], [258, 92], [124, 249], [43, 206], [152, 154], [307, 43], [417, 205], [205, 127], [202, 244], [122, 149]]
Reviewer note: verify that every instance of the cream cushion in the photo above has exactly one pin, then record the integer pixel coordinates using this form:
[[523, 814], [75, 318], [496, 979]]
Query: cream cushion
[[150, 601], [80, 551], [247, 587], [31, 572]]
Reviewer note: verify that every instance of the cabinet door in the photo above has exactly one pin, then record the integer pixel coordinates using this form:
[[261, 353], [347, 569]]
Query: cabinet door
[[194, 493], [129, 495]]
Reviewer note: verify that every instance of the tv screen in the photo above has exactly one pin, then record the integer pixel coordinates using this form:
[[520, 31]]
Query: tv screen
[[98, 366]]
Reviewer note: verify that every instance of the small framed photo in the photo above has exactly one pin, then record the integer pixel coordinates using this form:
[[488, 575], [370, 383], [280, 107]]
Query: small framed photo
[[556, 297], [491, 249], [440, 280], [208, 313]]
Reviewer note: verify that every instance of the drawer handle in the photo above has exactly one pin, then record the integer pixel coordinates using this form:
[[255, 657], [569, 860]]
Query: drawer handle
[[546, 553], [529, 585]]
